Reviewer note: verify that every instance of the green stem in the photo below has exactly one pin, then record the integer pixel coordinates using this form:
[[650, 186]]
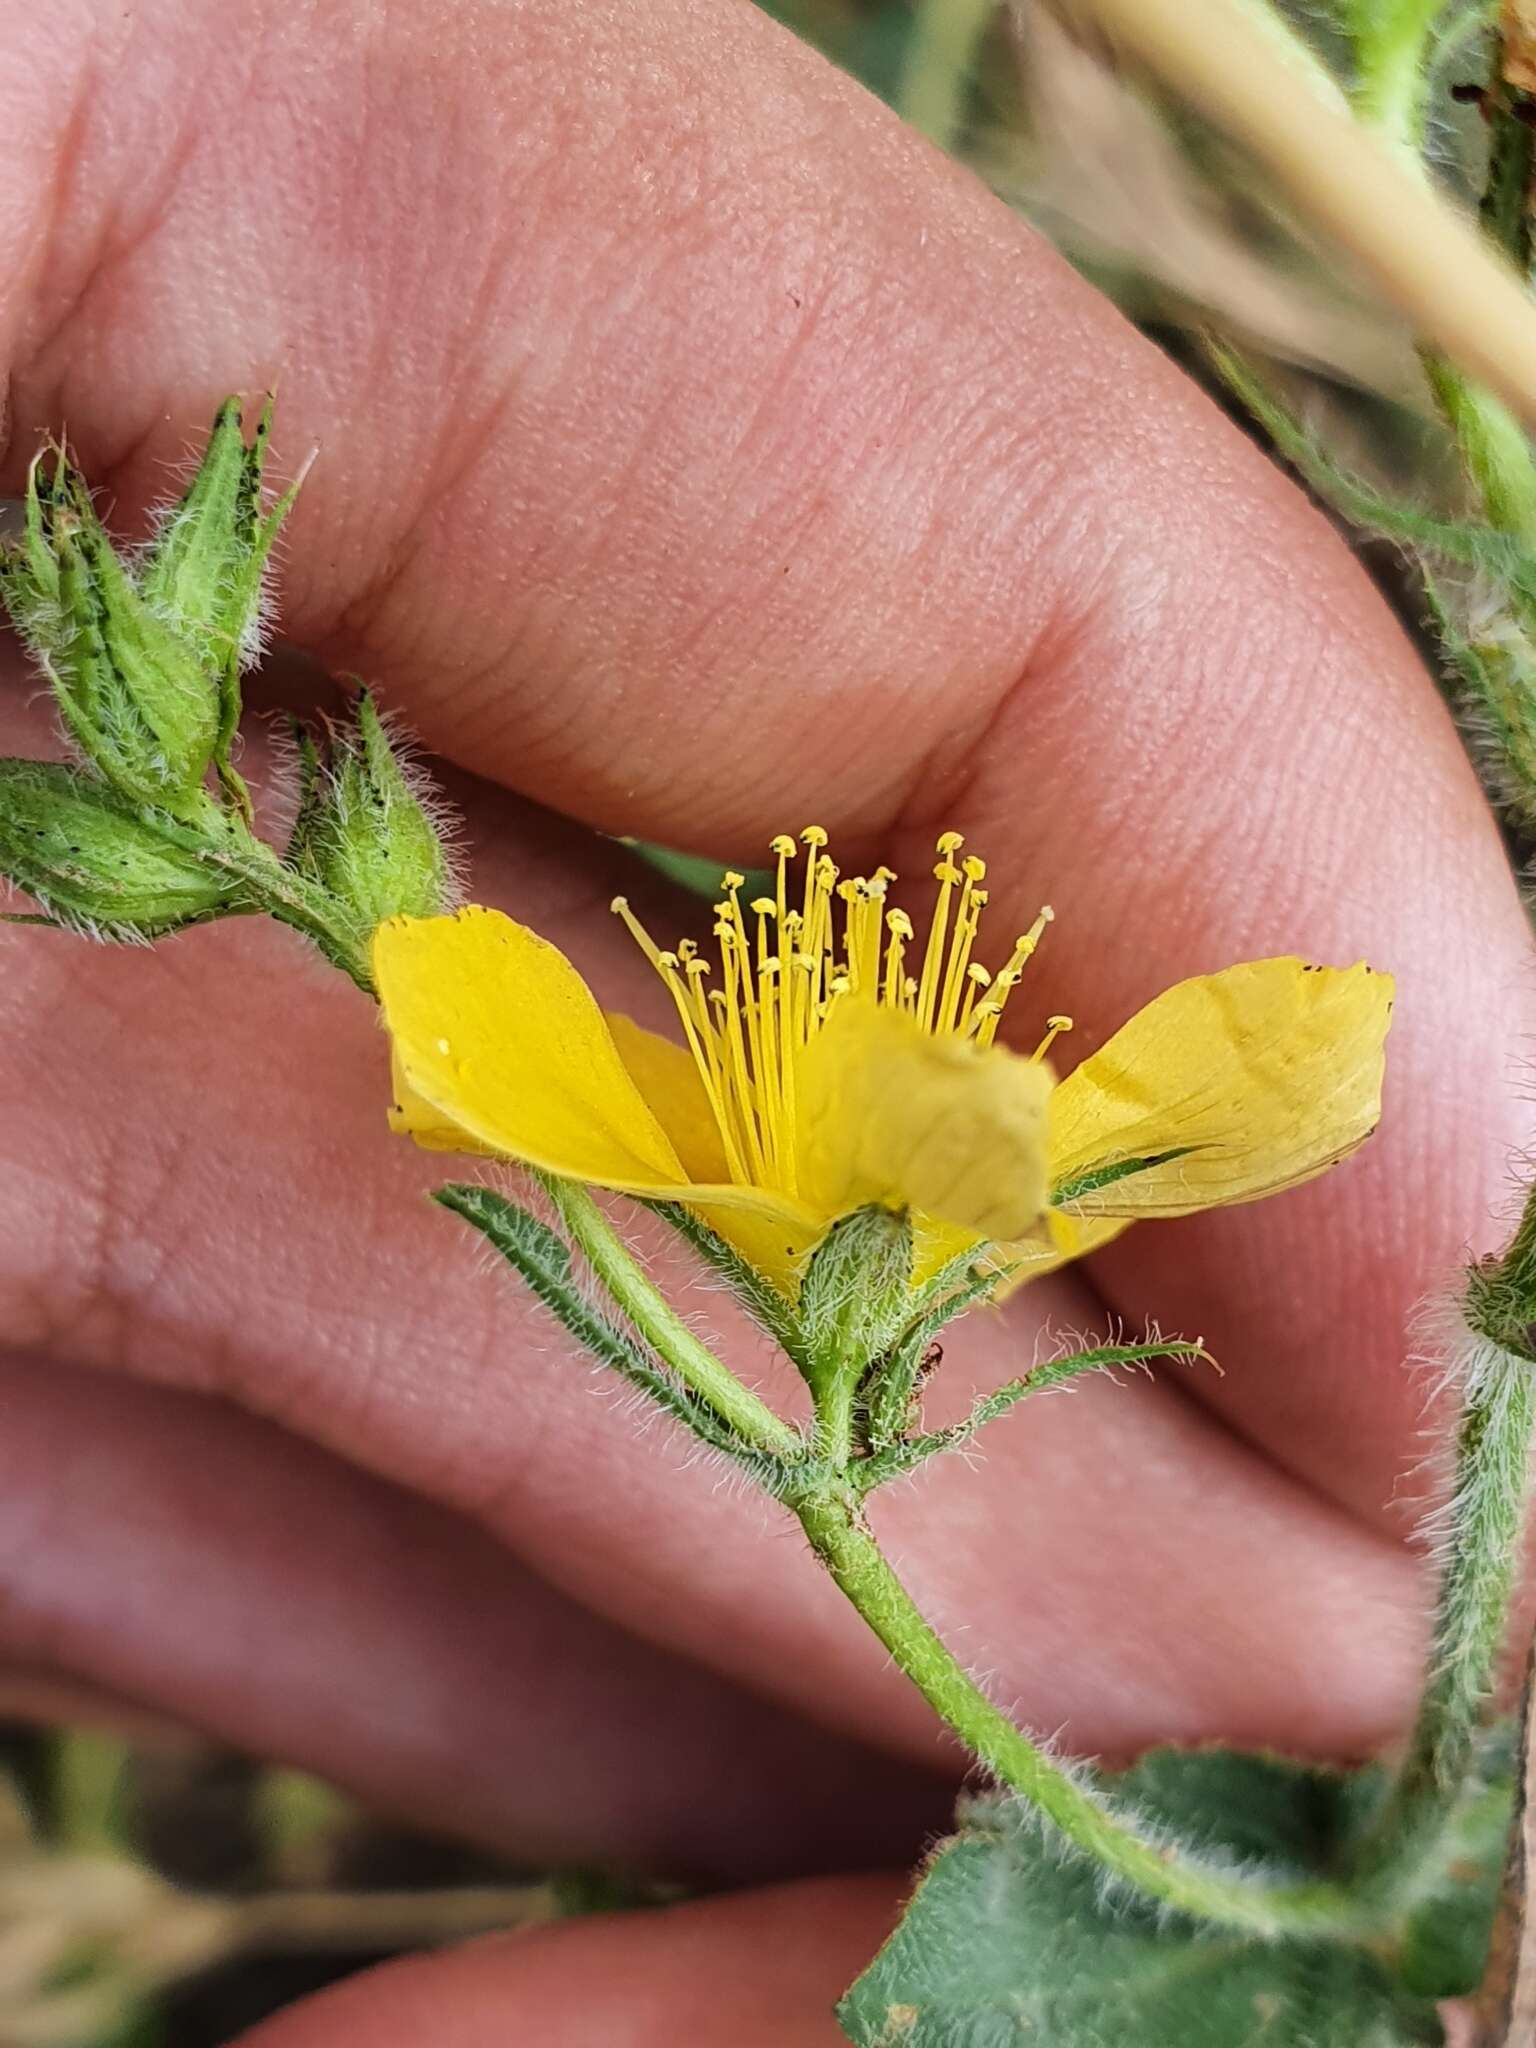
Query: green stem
[[1406, 1834], [1493, 444], [1391, 59], [834, 1421], [1153, 1867], [940, 58], [664, 1329], [1484, 1522]]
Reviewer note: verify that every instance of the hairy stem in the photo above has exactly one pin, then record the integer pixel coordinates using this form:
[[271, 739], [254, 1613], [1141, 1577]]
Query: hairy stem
[[1391, 59], [1171, 1877], [1494, 449], [664, 1329], [1484, 1523]]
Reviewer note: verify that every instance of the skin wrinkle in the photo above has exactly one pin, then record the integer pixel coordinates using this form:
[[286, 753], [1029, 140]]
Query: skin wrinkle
[[475, 1658]]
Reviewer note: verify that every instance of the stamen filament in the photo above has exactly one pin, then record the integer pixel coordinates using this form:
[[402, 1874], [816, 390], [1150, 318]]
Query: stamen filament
[[779, 985]]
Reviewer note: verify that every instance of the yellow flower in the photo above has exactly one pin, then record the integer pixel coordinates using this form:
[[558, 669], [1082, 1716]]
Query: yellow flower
[[826, 1069]]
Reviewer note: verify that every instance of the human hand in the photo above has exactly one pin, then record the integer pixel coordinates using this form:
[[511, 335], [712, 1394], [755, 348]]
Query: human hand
[[700, 455]]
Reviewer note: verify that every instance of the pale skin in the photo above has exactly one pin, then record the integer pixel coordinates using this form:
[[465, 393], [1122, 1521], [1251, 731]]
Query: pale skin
[[700, 456]]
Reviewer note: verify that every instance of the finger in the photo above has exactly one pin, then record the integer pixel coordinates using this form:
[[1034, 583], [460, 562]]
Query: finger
[[200, 1564], [1077, 1557], [704, 401], [758, 1970]]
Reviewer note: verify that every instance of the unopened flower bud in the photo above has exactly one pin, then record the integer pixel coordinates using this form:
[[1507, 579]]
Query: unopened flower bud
[[145, 662], [87, 859], [365, 832]]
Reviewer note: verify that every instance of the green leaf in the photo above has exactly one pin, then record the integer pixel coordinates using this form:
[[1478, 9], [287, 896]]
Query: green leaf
[[544, 1261], [91, 860], [1445, 1948], [1014, 1942]]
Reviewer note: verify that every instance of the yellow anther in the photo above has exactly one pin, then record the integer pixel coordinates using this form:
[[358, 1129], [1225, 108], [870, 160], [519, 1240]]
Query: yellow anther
[[1054, 1027], [780, 980]]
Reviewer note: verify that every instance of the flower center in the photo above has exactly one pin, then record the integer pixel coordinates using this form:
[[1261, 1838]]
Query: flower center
[[781, 977]]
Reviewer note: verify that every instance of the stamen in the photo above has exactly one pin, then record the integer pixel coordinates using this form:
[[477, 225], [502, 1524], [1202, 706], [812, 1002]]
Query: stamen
[[899, 925], [779, 984], [976, 979], [1054, 1027], [973, 900], [947, 875]]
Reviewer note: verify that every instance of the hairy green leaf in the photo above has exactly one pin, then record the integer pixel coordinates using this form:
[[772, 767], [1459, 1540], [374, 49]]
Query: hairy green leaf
[[544, 1261], [1012, 1941]]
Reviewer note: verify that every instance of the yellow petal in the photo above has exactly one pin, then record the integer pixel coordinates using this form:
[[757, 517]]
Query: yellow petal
[[414, 1117], [498, 1035], [935, 1244], [1258, 1077], [770, 1233], [668, 1079], [889, 1113], [1067, 1236]]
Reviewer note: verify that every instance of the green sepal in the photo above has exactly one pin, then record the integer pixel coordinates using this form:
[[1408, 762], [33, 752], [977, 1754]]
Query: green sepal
[[855, 1295], [299, 853], [92, 861], [892, 1455], [543, 1260], [890, 1389], [1098, 1177], [1012, 1937]]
